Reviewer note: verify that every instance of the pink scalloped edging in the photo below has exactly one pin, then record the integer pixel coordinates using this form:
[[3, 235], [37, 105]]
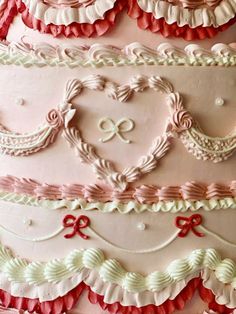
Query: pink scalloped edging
[[143, 194], [6, 17], [148, 21], [68, 302], [99, 28]]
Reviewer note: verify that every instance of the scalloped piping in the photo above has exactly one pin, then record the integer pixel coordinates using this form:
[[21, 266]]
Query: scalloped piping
[[69, 301], [67, 15], [21, 271], [178, 206], [220, 15], [100, 55], [147, 21], [114, 293]]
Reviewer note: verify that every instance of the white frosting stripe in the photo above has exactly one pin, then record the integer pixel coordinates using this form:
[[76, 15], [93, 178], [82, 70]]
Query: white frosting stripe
[[99, 55]]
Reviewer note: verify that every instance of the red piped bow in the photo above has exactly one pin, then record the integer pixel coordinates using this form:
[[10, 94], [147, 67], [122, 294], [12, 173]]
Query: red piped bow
[[187, 224], [78, 223]]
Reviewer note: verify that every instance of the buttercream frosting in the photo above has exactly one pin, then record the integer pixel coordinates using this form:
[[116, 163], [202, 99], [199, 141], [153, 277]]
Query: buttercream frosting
[[99, 55], [67, 15]]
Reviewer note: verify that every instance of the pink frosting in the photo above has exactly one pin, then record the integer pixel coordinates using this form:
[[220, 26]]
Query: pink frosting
[[169, 193], [217, 191], [147, 194]]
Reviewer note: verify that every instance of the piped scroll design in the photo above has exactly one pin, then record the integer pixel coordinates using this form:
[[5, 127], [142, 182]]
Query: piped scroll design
[[180, 123]]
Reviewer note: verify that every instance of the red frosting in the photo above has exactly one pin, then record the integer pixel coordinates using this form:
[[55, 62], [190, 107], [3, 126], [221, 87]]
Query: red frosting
[[99, 28], [68, 302], [148, 21], [145, 21], [6, 18]]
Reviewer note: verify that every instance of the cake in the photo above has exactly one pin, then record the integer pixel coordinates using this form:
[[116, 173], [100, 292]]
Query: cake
[[118, 164]]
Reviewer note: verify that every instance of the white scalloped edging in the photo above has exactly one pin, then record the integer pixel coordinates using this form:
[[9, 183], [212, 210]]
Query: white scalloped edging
[[204, 16], [36, 273], [177, 206]]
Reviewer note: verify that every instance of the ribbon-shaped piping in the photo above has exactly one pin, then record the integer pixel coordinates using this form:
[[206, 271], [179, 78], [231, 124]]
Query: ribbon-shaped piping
[[107, 125], [78, 223], [187, 224]]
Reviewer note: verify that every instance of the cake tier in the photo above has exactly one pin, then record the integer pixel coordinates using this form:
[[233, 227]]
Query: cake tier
[[175, 203], [118, 157]]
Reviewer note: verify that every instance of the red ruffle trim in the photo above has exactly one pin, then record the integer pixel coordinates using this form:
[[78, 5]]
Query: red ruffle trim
[[99, 28], [148, 21], [5, 20], [68, 302]]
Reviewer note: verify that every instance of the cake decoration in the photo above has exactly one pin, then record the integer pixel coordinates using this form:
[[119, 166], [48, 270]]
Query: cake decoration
[[107, 125], [132, 234], [92, 20], [68, 301], [187, 224], [180, 122], [172, 19], [76, 224], [219, 102], [100, 55], [191, 196], [8, 11]]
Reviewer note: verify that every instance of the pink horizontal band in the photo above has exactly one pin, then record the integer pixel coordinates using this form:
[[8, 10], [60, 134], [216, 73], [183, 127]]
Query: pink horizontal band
[[143, 194]]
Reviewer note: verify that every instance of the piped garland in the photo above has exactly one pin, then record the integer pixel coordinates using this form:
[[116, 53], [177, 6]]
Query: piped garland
[[179, 123], [36, 273]]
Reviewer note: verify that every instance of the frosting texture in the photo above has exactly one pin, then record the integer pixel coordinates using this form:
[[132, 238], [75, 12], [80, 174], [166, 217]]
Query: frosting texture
[[100, 55]]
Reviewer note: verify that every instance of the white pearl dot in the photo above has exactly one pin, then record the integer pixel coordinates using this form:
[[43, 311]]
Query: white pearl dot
[[219, 101], [20, 102], [141, 226], [27, 222]]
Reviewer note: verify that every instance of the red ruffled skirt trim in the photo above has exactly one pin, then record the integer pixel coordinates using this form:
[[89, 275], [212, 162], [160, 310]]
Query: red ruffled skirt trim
[[147, 21], [99, 28], [69, 301]]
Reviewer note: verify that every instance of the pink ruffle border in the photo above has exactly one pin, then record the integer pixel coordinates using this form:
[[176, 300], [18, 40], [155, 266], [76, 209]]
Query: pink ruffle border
[[99, 28], [7, 17], [68, 302], [147, 21]]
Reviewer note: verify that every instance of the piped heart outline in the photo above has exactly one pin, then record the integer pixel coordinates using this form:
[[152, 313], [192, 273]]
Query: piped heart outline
[[180, 123]]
